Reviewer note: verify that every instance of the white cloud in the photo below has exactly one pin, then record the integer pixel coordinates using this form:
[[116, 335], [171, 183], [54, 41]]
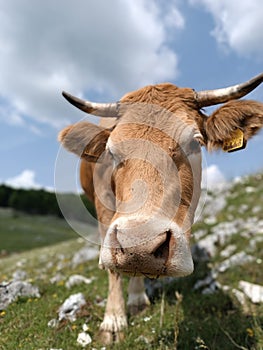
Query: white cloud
[[238, 24], [212, 177], [95, 46], [24, 180]]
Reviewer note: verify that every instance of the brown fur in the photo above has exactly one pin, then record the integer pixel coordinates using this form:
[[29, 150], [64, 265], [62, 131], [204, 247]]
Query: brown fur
[[242, 114], [92, 143], [86, 179], [63, 133], [170, 97]]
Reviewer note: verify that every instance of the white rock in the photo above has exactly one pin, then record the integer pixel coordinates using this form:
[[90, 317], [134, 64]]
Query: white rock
[[53, 323], [212, 288], [11, 291], [21, 262], [228, 251], [71, 306], [208, 244], [85, 327], [243, 208], [78, 279], [256, 209], [84, 254], [49, 265], [200, 234], [240, 296], [237, 259], [57, 278], [84, 339], [224, 230], [19, 275], [210, 220], [255, 241], [209, 279], [209, 284], [250, 189], [253, 291]]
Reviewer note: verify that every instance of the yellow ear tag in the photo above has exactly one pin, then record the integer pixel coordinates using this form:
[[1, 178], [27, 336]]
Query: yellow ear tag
[[235, 142]]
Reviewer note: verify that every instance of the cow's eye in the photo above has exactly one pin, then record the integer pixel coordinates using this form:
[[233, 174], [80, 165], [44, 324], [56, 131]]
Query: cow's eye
[[194, 146]]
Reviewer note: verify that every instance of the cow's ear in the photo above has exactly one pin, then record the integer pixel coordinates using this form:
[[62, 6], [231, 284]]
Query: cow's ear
[[85, 140], [233, 124]]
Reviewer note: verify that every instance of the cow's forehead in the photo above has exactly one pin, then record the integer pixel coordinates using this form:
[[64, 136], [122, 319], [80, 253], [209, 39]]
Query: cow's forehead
[[154, 123], [166, 95]]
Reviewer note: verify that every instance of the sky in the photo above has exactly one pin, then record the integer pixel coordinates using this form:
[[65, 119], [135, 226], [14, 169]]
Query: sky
[[100, 50]]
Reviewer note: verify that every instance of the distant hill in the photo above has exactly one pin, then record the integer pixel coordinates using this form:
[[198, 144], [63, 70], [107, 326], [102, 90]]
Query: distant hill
[[34, 201], [32, 218]]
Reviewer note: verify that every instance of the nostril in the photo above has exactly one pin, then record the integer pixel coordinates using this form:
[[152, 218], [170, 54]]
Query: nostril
[[162, 251], [114, 241]]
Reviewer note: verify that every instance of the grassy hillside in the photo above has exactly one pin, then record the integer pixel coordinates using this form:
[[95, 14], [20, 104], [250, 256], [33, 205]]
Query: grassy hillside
[[201, 311], [19, 232]]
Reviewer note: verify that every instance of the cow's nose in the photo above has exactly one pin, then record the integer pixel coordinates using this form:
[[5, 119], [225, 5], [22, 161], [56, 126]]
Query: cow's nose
[[129, 254], [157, 246], [153, 247], [160, 249]]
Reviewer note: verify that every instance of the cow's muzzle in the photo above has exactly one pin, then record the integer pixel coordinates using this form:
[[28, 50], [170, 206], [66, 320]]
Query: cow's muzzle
[[150, 248]]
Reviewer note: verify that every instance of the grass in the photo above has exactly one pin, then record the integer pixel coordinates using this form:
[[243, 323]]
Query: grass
[[19, 232], [195, 321], [179, 317]]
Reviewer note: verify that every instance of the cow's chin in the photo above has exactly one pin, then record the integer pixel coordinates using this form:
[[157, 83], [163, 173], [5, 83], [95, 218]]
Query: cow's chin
[[155, 276], [175, 267]]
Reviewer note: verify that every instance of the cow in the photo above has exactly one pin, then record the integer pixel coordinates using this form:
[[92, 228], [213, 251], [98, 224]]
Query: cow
[[141, 167]]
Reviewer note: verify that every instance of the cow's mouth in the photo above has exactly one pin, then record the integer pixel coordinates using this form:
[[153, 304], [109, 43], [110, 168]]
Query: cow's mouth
[[142, 274]]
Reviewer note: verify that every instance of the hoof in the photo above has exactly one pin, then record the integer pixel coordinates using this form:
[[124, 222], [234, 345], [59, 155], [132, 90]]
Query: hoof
[[135, 309], [108, 337], [112, 329]]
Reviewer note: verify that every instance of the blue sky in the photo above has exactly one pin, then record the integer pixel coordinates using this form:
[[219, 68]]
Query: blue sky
[[100, 49]]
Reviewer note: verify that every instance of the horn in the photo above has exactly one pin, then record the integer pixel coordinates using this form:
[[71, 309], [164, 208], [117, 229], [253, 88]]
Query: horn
[[109, 110], [213, 97]]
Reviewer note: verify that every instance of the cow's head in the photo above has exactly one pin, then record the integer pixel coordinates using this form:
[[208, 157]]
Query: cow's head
[[147, 167]]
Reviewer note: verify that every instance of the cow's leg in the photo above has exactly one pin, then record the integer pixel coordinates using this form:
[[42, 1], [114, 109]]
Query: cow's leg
[[137, 298], [115, 319]]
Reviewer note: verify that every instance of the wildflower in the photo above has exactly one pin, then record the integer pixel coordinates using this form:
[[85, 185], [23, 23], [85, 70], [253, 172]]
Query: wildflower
[[2, 313], [147, 318], [200, 344], [250, 332], [73, 327]]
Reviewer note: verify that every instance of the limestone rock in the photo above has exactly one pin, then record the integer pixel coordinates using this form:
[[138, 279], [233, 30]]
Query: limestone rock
[[11, 291], [253, 291], [71, 306], [78, 279]]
